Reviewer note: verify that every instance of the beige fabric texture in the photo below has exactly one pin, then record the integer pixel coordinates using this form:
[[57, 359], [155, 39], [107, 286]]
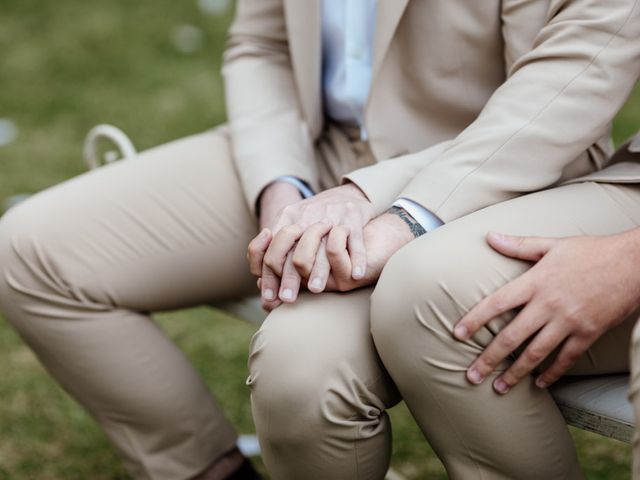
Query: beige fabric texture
[[319, 389], [522, 92], [471, 104], [83, 263]]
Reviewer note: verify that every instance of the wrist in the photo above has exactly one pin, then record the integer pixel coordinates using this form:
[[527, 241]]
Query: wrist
[[277, 189], [397, 231], [353, 190], [411, 223], [273, 199]]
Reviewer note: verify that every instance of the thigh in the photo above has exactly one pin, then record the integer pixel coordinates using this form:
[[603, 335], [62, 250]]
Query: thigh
[[319, 391], [462, 260], [166, 229], [432, 282]]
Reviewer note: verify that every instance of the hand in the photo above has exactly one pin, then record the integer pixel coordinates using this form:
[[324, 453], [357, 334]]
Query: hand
[[274, 199], [383, 237], [344, 208], [579, 288]]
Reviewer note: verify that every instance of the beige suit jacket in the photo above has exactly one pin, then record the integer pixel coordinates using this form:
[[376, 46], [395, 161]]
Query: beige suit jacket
[[471, 102]]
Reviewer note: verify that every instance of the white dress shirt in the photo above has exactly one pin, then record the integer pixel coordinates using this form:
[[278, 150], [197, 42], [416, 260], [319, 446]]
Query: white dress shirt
[[348, 28]]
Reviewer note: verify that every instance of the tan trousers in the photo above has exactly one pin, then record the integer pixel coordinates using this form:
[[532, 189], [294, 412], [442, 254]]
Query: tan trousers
[[85, 262], [82, 265], [319, 390]]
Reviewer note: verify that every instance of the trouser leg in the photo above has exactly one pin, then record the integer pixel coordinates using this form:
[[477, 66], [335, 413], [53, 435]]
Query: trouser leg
[[83, 263], [634, 397], [430, 284], [319, 392]]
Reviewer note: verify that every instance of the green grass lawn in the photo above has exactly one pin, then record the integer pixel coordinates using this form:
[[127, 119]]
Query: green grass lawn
[[68, 65]]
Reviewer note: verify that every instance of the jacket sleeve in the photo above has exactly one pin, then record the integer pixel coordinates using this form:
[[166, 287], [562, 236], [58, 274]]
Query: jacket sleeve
[[269, 137], [559, 98]]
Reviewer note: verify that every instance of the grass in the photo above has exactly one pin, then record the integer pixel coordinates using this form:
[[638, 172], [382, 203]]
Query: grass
[[68, 65]]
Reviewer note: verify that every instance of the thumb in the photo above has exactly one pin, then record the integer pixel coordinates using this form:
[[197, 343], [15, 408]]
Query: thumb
[[524, 248]]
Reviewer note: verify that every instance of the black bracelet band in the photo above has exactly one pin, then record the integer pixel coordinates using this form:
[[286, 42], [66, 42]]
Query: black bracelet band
[[416, 229]]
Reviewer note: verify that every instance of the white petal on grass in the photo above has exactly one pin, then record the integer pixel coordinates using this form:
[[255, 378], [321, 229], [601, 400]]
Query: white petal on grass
[[248, 445], [214, 7], [187, 38], [8, 131], [14, 200]]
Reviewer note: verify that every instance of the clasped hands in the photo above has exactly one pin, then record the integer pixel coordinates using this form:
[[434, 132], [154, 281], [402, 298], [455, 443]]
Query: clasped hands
[[329, 242], [577, 289]]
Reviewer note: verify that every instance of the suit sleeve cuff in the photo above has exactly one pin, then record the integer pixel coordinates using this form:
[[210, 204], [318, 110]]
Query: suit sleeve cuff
[[302, 187], [424, 217]]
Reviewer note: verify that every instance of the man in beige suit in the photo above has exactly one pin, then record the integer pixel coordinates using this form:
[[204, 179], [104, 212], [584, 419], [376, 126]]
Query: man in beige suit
[[457, 106]]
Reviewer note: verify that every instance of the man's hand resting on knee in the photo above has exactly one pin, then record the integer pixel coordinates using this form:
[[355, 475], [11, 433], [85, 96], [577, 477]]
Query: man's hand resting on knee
[[579, 288]]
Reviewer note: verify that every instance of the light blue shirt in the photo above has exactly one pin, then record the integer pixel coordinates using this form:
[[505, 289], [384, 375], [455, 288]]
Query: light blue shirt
[[348, 28]]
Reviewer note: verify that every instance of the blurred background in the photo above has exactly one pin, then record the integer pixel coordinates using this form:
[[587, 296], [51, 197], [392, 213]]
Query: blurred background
[[152, 68]]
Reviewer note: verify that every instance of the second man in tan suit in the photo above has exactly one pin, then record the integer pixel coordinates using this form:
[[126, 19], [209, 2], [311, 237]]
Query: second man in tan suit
[[434, 112]]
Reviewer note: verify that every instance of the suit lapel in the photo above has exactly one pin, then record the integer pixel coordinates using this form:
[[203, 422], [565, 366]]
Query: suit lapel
[[303, 28], [387, 18]]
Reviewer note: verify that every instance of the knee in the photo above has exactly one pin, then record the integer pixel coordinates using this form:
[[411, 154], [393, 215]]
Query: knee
[[29, 266], [286, 377], [303, 384], [416, 291], [424, 290], [16, 246]]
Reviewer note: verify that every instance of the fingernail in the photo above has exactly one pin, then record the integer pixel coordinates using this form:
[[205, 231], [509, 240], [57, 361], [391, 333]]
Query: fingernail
[[287, 294], [264, 232], [358, 272], [500, 386], [474, 376], [499, 237], [316, 283], [541, 383], [268, 294], [461, 332]]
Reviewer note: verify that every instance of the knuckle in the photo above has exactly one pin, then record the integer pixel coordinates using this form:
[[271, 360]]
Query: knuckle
[[332, 249], [554, 303], [270, 262], [484, 365], [495, 303], [289, 210], [291, 230], [588, 329], [301, 265], [534, 355], [508, 340], [252, 250]]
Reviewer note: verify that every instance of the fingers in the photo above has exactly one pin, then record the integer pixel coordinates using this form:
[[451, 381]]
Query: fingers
[[525, 324], [320, 271], [544, 343], [269, 286], [280, 245], [290, 281], [357, 253], [568, 355], [306, 250], [256, 250], [512, 295], [337, 252], [524, 248]]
